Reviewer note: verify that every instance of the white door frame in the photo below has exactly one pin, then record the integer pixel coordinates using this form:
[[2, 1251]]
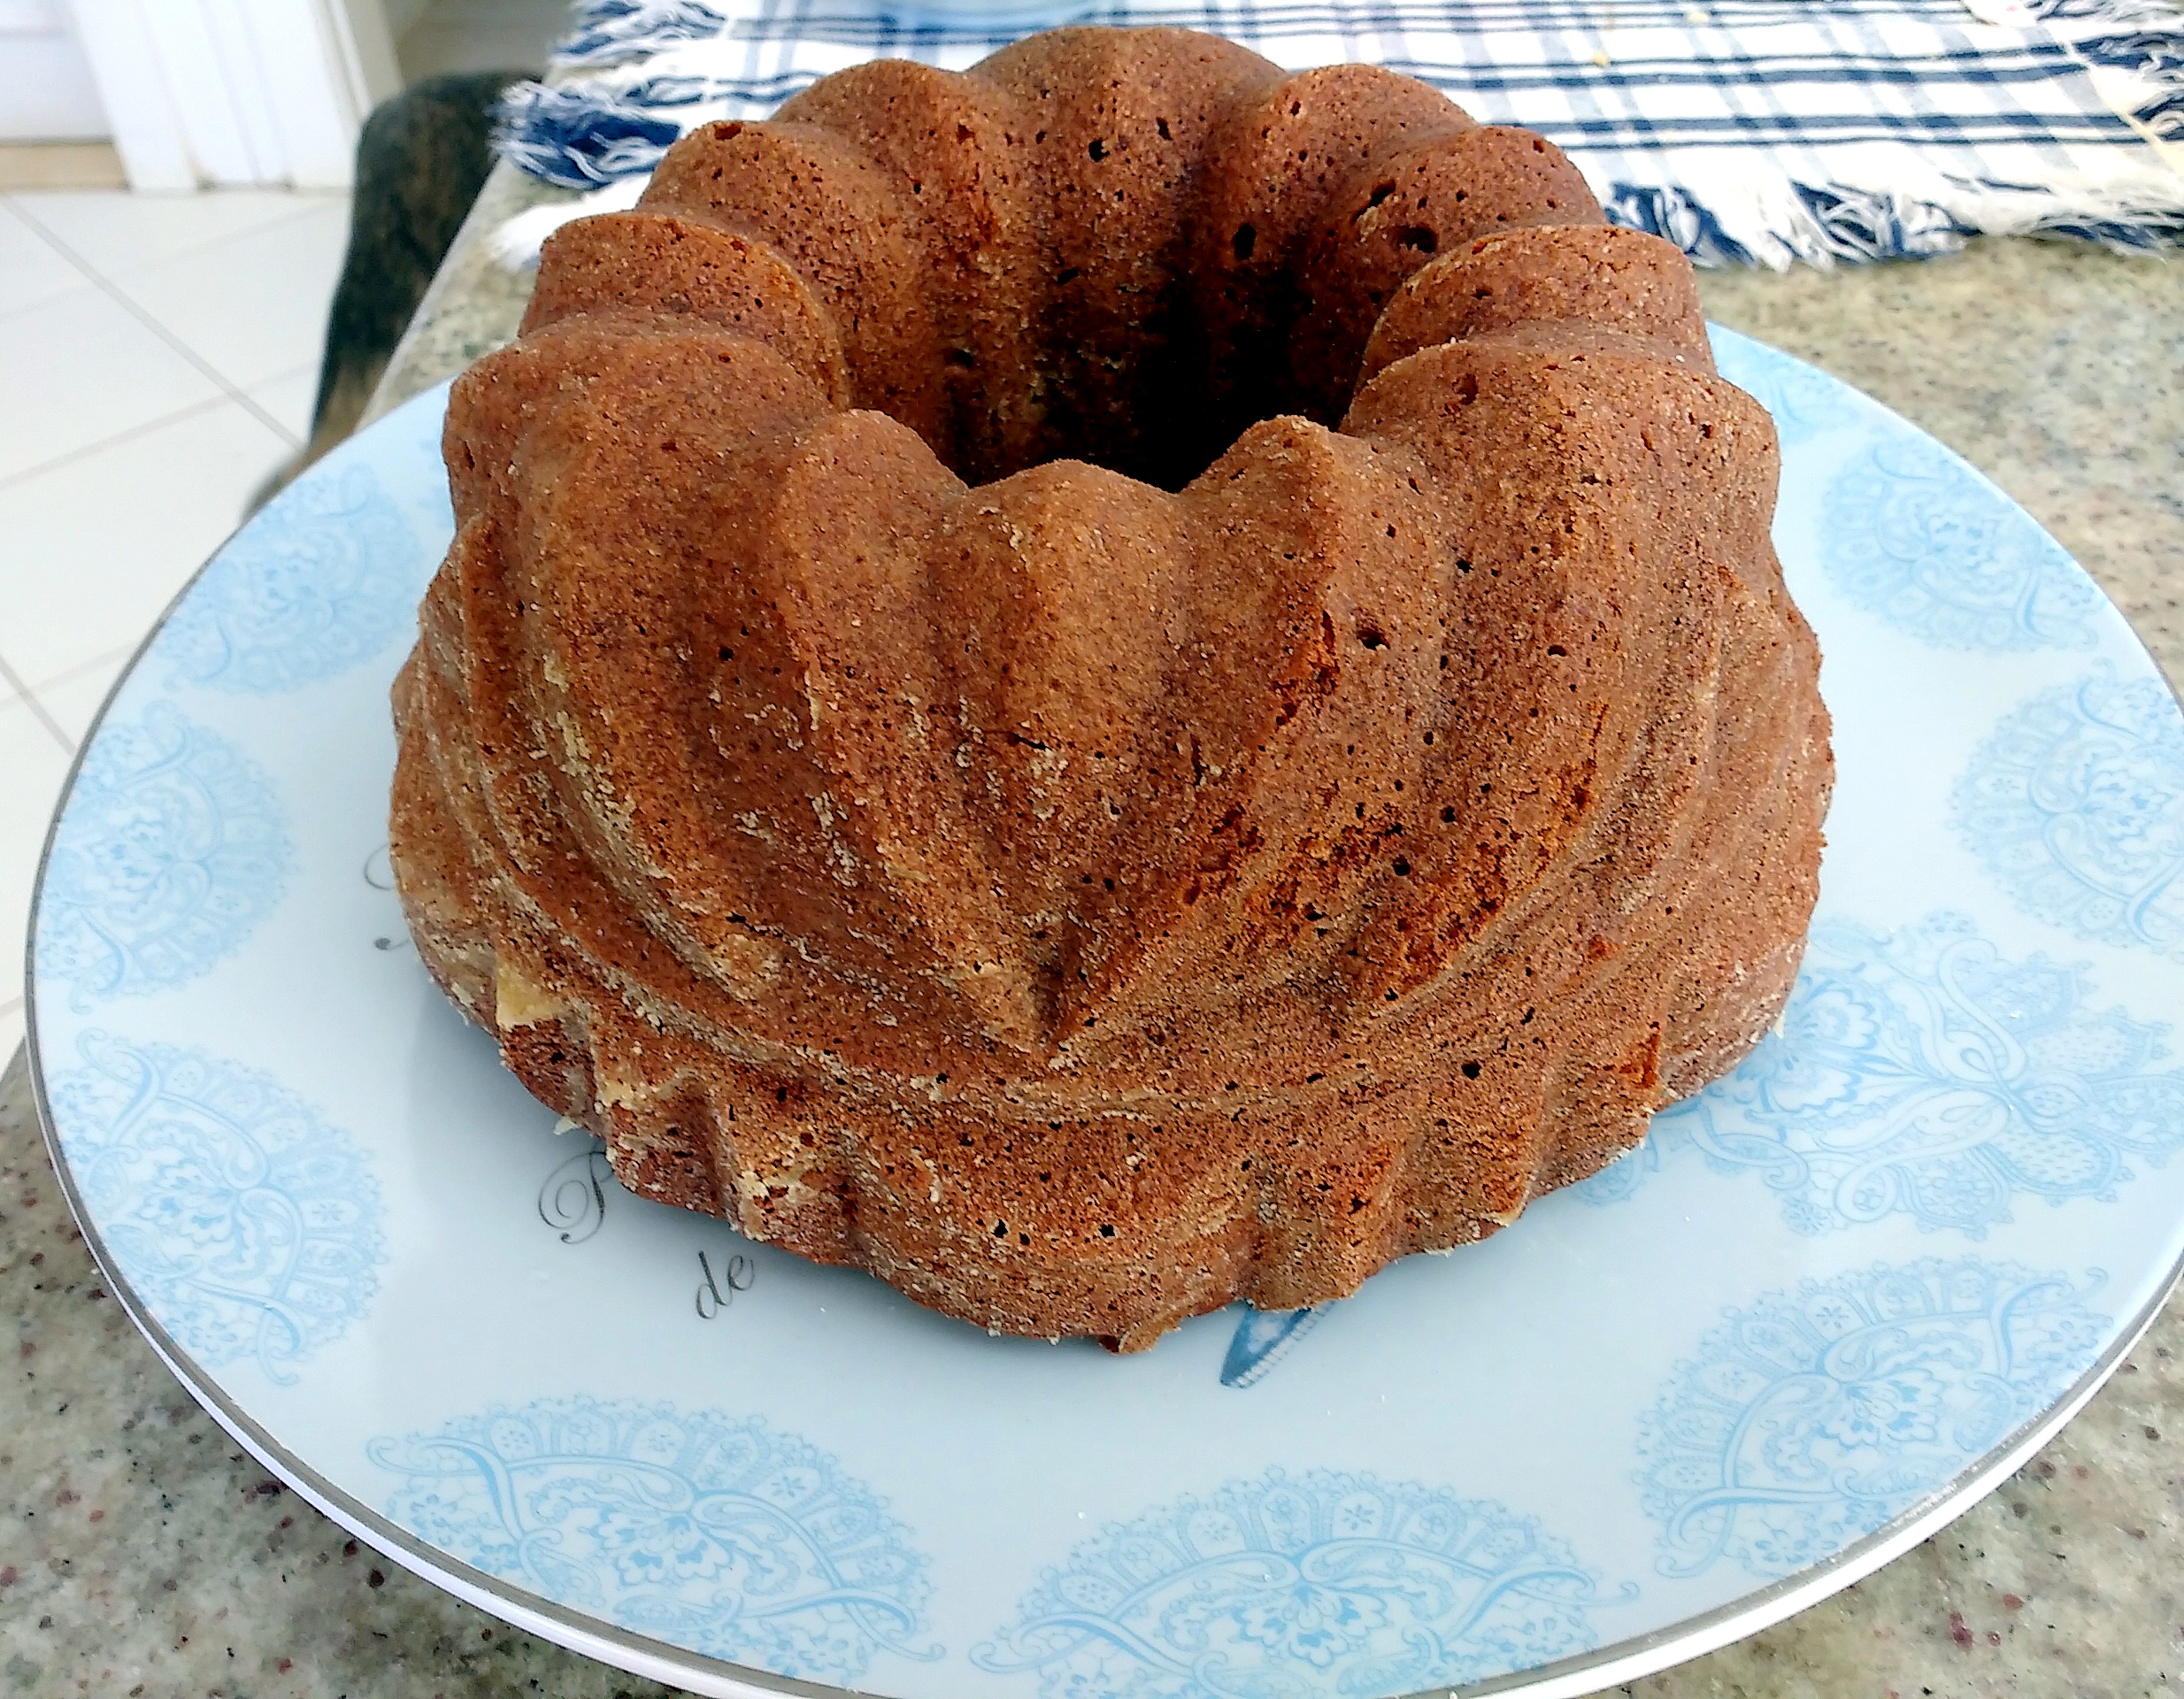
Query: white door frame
[[224, 92]]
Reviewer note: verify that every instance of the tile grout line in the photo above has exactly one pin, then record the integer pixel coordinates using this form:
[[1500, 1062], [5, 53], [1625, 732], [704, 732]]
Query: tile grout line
[[38, 709], [114, 292], [112, 658], [9, 480], [7, 200], [12, 200]]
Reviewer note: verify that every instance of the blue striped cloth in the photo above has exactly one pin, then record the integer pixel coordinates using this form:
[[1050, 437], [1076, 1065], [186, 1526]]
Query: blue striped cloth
[[1747, 131]]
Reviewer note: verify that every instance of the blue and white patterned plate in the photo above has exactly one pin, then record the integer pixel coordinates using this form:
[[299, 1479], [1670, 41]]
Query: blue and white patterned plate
[[1880, 1262]]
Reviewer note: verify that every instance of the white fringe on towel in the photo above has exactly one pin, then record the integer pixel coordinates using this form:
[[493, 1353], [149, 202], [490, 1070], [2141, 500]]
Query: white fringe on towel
[[1747, 131]]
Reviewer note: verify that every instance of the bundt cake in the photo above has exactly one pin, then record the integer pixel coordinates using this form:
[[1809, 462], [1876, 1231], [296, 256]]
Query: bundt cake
[[1110, 683]]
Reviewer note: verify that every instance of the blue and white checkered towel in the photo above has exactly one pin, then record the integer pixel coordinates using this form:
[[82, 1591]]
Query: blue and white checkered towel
[[1747, 131]]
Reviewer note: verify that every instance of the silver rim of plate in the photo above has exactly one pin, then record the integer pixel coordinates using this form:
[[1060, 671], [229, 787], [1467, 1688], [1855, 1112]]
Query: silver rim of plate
[[1562, 1677]]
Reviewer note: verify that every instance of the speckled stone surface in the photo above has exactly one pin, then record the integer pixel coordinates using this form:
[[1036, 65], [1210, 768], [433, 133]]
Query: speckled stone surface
[[143, 1553]]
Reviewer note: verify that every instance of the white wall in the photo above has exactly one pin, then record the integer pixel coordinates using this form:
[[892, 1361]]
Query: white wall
[[46, 90], [208, 93]]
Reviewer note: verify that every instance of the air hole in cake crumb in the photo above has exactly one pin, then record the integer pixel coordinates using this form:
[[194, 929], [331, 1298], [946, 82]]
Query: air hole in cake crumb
[[963, 132], [1403, 867], [1462, 565], [1471, 1070], [1068, 275], [1001, 1229], [1246, 239], [963, 358], [1380, 192], [1161, 124], [1107, 1230], [1557, 649], [781, 1094], [1370, 637], [1467, 389], [1098, 149], [1416, 236], [1448, 816]]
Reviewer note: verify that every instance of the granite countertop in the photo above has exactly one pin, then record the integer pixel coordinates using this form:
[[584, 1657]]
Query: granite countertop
[[145, 1553]]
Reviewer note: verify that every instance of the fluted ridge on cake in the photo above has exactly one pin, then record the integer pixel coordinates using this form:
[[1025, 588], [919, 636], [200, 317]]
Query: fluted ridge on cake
[[1080, 902]]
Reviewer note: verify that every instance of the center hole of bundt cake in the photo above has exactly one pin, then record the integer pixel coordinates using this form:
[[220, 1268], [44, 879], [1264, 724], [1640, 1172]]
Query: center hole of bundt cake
[[1155, 414], [1123, 373], [1124, 260]]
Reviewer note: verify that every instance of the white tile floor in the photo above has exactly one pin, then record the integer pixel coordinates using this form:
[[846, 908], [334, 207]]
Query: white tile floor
[[159, 357]]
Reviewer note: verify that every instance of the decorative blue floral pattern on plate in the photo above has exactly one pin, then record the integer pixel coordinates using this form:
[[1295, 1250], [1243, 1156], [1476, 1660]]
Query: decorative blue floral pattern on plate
[[170, 853], [704, 1530], [1287, 1587], [327, 576], [1913, 535], [1817, 1417], [1943, 1076], [2075, 806], [1922, 1072], [248, 1227], [1805, 402]]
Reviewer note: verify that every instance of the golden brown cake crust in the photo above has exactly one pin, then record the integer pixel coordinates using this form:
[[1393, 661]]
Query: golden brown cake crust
[[1080, 902]]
